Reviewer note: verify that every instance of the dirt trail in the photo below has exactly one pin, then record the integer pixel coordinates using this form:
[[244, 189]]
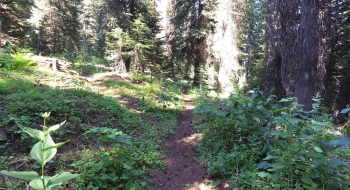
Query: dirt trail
[[182, 172]]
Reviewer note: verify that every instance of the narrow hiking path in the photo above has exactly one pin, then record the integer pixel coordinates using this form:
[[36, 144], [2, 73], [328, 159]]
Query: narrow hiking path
[[182, 171]]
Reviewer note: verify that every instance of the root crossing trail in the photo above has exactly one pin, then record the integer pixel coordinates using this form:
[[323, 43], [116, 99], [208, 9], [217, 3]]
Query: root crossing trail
[[182, 171]]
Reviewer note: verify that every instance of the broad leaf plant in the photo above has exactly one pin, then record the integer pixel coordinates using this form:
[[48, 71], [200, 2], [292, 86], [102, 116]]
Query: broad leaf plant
[[43, 151]]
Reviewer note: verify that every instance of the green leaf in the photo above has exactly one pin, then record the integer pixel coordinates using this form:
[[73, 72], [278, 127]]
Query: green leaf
[[37, 151], [278, 133], [276, 176], [105, 138], [301, 166], [293, 120], [318, 149], [65, 176], [308, 181], [215, 183], [348, 131], [126, 166], [54, 128], [34, 133], [21, 175], [52, 147], [38, 183], [284, 100], [269, 157], [278, 165], [254, 96], [323, 124], [340, 163], [329, 138], [263, 165], [131, 186], [263, 174], [53, 186]]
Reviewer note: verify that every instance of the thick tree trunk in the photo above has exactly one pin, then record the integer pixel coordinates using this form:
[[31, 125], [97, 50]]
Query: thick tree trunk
[[282, 19], [299, 31], [309, 45]]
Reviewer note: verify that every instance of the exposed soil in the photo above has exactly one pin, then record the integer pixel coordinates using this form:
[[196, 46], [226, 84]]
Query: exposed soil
[[182, 169]]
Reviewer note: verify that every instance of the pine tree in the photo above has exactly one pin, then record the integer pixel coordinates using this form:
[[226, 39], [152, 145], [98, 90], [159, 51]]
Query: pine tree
[[13, 21], [252, 45], [192, 26], [57, 26], [338, 76], [131, 35]]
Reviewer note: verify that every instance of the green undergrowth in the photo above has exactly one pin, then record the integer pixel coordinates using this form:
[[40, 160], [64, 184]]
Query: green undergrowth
[[262, 143], [15, 61], [110, 144], [88, 70], [153, 97]]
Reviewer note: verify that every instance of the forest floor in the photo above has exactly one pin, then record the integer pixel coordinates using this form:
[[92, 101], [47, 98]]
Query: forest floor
[[182, 167], [183, 170]]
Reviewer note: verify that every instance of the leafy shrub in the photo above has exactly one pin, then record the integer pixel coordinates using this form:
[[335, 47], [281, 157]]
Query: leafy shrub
[[84, 58], [153, 97], [258, 143], [78, 107], [116, 166], [15, 61]]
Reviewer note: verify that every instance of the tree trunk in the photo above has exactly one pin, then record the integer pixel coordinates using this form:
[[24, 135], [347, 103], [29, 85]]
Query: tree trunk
[[198, 62], [277, 64], [132, 10], [199, 43], [309, 45]]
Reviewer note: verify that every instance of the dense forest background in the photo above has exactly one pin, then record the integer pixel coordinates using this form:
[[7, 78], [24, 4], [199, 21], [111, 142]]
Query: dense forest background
[[287, 48]]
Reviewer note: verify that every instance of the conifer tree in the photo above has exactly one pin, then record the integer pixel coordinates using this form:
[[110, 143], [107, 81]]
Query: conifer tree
[[338, 76], [136, 45], [57, 26], [252, 44], [13, 21], [192, 26]]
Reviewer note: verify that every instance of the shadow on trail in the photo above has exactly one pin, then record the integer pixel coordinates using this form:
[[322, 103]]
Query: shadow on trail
[[182, 171]]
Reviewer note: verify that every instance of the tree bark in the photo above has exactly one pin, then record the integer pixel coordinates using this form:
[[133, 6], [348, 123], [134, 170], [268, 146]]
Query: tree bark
[[199, 43], [198, 62], [309, 45]]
